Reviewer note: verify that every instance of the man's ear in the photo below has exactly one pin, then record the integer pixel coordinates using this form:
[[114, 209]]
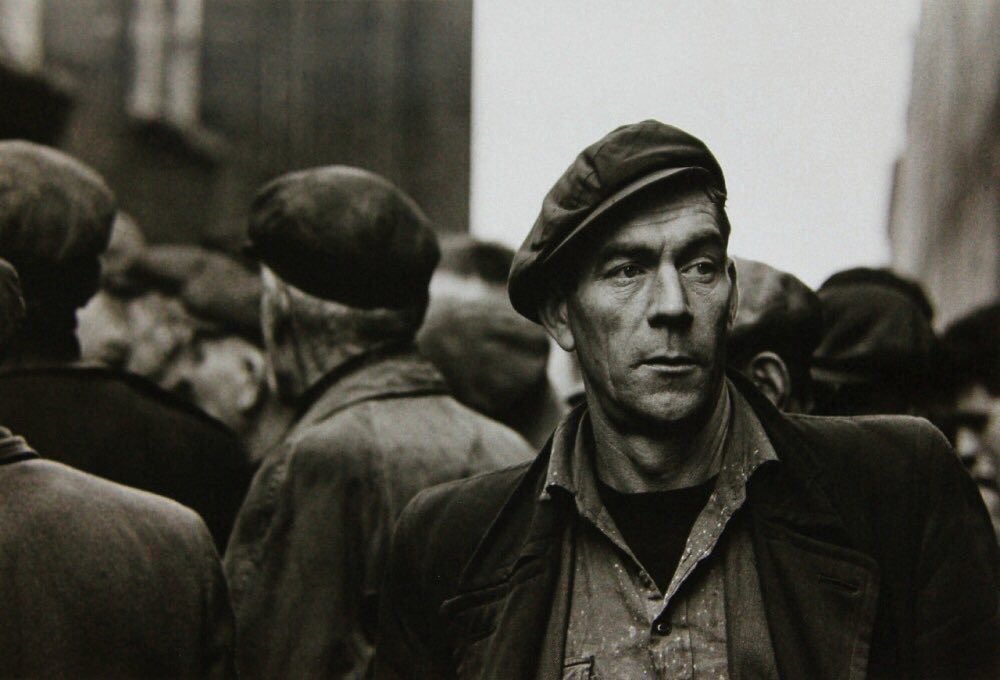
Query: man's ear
[[734, 293], [771, 376], [554, 315], [252, 381]]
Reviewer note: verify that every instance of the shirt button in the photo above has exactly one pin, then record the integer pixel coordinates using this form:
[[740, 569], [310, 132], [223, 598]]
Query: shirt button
[[662, 628]]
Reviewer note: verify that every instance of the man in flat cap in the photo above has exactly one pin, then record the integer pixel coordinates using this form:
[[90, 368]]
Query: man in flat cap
[[55, 219], [777, 326], [100, 580], [346, 259], [677, 524]]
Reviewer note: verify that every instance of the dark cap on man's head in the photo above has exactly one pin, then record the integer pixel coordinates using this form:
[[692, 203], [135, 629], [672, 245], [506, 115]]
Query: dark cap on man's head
[[55, 219], [347, 235], [877, 328], [629, 160], [971, 350], [776, 312]]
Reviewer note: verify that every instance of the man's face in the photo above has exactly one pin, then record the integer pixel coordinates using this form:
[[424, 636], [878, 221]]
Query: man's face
[[224, 376], [649, 313], [977, 435]]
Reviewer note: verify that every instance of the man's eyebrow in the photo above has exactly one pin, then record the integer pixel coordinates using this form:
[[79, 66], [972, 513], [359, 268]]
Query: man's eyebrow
[[632, 249], [699, 243], [625, 249]]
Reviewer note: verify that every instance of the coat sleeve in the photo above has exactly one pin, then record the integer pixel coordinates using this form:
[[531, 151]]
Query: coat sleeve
[[408, 624], [957, 582], [298, 558]]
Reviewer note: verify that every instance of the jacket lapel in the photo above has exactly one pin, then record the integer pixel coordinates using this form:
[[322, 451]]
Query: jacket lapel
[[820, 591], [499, 618]]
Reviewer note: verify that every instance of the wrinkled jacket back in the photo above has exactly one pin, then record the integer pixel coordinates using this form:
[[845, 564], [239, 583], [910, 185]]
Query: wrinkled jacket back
[[307, 552]]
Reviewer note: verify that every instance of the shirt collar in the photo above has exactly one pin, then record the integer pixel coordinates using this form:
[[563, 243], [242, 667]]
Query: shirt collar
[[745, 448]]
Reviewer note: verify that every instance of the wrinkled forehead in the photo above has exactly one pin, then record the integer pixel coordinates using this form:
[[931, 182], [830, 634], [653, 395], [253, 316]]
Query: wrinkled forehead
[[692, 212]]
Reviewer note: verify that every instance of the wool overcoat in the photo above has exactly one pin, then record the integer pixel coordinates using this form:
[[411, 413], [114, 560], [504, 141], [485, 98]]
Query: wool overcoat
[[98, 580]]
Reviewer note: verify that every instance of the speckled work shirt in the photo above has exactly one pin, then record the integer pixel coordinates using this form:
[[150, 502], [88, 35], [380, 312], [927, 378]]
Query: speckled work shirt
[[710, 622]]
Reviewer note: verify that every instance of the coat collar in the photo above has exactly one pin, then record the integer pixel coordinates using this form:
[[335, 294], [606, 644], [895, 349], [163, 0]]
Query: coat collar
[[13, 448], [807, 562], [392, 370], [789, 491]]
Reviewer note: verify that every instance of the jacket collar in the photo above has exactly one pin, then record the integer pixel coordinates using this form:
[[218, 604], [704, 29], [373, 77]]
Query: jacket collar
[[391, 370], [525, 527], [793, 493], [789, 491]]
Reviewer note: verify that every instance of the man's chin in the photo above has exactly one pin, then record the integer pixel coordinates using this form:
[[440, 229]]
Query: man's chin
[[671, 410]]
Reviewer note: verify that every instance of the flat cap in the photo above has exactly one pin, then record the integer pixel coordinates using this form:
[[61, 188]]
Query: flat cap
[[215, 287], [971, 350], [776, 312], [876, 328], [55, 215], [491, 357], [345, 234], [624, 162], [11, 303]]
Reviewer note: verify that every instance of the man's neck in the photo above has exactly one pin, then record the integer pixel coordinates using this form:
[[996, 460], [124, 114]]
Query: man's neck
[[309, 364], [673, 458]]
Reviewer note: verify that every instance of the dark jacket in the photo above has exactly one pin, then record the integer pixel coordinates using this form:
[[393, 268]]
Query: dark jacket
[[101, 581], [307, 553], [875, 558], [124, 428]]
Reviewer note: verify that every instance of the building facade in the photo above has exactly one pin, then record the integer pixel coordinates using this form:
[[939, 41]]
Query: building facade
[[945, 219], [187, 106]]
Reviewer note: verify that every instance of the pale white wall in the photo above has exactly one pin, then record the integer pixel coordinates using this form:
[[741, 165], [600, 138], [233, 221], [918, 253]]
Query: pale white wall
[[802, 101]]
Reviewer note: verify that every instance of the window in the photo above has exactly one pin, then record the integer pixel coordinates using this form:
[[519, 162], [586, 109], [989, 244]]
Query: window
[[166, 42], [21, 33]]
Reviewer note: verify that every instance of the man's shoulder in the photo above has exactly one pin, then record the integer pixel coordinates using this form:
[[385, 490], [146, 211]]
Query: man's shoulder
[[49, 492], [423, 423], [114, 389], [479, 495], [450, 519], [885, 445], [876, 469]]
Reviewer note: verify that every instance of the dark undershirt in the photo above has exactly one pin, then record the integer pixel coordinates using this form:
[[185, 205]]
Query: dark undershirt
[[656, 525]]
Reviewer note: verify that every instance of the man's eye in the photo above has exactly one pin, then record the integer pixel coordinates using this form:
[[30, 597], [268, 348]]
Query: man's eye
[[628, 271], [703, 269]]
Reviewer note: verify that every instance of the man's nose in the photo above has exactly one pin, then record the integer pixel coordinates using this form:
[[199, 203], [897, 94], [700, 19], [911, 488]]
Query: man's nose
[[668, 301]]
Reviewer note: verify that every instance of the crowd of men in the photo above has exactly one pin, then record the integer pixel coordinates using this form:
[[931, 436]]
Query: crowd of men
[[340, 452]]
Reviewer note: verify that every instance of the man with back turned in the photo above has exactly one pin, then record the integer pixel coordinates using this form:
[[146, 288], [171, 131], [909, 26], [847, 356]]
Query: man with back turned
[[56, 216], [99, 580], [346, 259], [676, 524]]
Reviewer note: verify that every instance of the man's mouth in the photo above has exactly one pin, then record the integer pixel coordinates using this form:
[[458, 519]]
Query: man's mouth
[[671, 363]]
